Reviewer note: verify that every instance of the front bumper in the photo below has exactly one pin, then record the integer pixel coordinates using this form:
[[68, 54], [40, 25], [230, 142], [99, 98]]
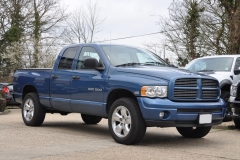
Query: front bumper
[[180, 114], [235, 108]]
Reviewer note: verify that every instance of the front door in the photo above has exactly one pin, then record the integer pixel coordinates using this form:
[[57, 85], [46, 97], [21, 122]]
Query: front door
[[87, 85]]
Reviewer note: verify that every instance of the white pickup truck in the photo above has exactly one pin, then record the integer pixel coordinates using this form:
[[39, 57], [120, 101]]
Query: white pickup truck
[[225, 68]]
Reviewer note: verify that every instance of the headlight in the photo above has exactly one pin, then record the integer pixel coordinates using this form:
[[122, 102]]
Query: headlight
[[233, 90], [154, 91]]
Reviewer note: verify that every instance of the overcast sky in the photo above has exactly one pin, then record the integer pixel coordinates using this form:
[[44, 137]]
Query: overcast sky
[[126, 18]]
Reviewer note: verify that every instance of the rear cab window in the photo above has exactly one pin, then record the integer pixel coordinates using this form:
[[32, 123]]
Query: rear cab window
[[67, 58]]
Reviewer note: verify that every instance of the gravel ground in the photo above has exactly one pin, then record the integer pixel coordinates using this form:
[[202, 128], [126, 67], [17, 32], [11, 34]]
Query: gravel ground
[[67, 138]]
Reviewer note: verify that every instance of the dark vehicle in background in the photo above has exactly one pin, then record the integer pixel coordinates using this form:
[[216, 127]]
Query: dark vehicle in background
[[234, 101], [8, 89]]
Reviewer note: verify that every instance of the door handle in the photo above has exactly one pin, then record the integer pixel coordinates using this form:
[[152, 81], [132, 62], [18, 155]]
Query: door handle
[[75, 77], [54, 76]]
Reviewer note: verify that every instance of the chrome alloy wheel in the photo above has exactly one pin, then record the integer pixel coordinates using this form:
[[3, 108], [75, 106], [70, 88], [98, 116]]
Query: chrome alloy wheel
[[28, 109], [121, 121]]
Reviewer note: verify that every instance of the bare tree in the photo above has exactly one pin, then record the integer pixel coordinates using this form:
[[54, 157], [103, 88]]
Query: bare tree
[[32, 29], [21, 54], [232, 10], [47, 15], [155, 48], [196, 28], [13, 20], [83, 25], [214, 29], [182, 30]]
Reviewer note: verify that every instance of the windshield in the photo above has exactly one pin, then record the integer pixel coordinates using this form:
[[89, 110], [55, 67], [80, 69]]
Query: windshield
[[123, 55], [210, 64]]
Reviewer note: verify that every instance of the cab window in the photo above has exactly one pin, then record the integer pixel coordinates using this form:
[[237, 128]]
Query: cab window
[[67, 58], [87, 52]]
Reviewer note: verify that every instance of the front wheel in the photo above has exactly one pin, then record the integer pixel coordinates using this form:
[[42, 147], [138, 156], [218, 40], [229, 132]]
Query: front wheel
[[125, 121], [33, 114], [89, 119], [191, 132]]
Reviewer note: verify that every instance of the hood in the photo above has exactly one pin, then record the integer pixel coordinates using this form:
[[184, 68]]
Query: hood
[[220, 76], [156, 71]]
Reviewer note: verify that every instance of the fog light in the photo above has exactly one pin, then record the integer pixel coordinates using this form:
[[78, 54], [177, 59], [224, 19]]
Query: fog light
[[161, 114], [233, 110]]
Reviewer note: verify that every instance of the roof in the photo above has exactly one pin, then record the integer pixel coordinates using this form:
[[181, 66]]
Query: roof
[[216, 56], [100, 44]]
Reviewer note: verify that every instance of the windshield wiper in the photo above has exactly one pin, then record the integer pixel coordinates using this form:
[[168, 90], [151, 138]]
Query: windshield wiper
[[152, 63], [206, 70], [146, 63], [128, 64]]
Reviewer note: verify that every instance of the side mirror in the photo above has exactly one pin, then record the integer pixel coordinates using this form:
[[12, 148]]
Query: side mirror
[[92, 63], [236, 71]]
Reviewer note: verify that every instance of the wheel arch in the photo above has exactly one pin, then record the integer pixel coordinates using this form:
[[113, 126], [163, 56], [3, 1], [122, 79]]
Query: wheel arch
[[225, 85], [28, 89], [116, 94]]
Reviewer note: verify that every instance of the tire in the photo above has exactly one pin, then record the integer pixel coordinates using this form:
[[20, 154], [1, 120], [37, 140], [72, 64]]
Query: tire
[[89, 119], [237, 123], [225, 96], [190, 132], [125, 121], [33, 114]]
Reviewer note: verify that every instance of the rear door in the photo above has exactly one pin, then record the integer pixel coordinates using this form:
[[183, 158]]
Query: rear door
[[88, 85], [60, 81]]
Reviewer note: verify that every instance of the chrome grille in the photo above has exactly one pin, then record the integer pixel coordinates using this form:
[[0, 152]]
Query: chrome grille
[[196, 89], [186, 82]]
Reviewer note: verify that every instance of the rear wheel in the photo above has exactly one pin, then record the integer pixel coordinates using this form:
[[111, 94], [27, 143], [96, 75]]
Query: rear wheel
[[89, 119], [225, 96], [194, 132], [125, 121], [237, 123], [33, 114]]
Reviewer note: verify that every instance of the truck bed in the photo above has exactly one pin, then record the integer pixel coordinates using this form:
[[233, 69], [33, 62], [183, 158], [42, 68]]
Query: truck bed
[[37, 77]]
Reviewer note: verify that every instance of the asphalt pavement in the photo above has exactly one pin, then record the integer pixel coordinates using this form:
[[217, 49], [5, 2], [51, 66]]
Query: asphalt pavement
[[67, 138]]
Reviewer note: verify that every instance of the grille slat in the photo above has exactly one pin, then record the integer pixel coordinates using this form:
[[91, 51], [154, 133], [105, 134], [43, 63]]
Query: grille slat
[[209, 94], [186, 83], [207, 83], [185, 93]]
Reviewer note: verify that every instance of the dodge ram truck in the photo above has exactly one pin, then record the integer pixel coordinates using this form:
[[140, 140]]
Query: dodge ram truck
[[132, 87]]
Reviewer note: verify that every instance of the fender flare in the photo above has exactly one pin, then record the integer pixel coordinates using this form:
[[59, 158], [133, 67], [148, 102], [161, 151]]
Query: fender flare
[[225, 82]]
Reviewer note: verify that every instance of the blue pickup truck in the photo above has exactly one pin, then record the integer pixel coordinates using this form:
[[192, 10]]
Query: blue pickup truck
[[133, 88]]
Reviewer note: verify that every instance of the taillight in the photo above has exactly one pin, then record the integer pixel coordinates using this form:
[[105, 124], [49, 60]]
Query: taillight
[[6, 89]]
